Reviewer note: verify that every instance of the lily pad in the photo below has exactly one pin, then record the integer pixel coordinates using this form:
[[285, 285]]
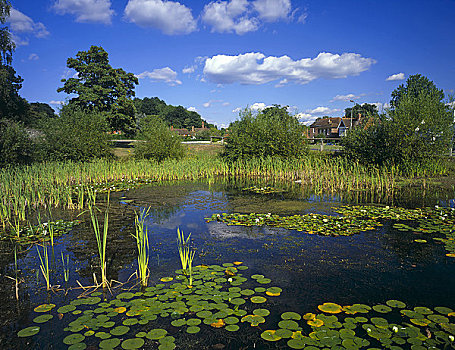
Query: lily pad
[[258, 300], [120, 330], [232, 328], [331, 308], [296, 343], [134, 343], [290, 316], [396, 303], [261, 312], [156, 334], [66, 308], [109, 343], [270, 335], [43, 318], [28, 332], [73, 339], [193, 329], [44, 308], [383, 309]]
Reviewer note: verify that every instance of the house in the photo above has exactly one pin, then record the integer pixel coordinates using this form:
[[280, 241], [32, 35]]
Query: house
[[332, 127], [188, 133]]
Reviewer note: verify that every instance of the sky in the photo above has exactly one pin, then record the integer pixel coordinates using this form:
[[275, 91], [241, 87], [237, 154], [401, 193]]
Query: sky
[[219, 57]]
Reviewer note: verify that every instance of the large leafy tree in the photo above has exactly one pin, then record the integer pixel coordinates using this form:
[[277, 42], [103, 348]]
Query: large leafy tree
[[100, 87], [416, 85], [7, 46], [365, 109]]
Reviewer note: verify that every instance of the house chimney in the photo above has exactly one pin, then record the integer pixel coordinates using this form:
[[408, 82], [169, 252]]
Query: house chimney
[[203, 125], [172, 128], [192, 128]]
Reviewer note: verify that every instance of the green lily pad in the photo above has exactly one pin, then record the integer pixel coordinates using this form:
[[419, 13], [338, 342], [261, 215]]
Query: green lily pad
[[443, 310], [44, 308], [66, 308], [193, 322], [261, 312], [288, 324], [258, 300], [166, 346], [120, 330], [232, 327], [193, 329], [178, 323], [270, 335], [134, 343], [73, 339], [43, 318], [156, 334], [396, 303], [383, 309], [231, 320], [109, 343], [260, 289], [28, 332], [284, 333], [331, 308], [296, 343], [264, 280], [291, 316]]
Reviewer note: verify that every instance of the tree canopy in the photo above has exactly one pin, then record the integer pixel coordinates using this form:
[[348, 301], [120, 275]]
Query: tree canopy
[[365, 109], [415, 85], [100, 87], [7, 46], [12, 106]]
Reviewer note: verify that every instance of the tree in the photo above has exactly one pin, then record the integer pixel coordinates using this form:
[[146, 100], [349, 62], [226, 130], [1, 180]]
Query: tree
[[16, 147], [415, 85], [271, 132], [42, 110], [12, 106], [365, 109], [7, 46], [102, 88]]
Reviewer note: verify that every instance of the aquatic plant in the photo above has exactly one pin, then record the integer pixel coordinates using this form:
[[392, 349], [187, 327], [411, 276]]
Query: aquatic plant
[[44, 265], [101, 237], [142, 243], [66, 270], [185, 252]]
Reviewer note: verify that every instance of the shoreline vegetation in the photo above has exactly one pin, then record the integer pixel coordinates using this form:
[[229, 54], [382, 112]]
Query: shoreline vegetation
[[65, 184]]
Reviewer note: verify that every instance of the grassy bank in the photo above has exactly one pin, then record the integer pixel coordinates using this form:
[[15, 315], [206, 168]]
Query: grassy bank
[[64, 184]]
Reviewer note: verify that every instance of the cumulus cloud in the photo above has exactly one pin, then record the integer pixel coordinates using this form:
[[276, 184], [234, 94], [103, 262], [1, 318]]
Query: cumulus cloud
[[273, 10], [86, 11], [322, 110], [254, 68], [394, 77], [310, 115], [211, 103], [192, 109], [188, 70], [33, 57], [242, 16], [345, 98], [166, 75], [255, 107], [170, 17], [20, 24], [305, 118], [56, 102]]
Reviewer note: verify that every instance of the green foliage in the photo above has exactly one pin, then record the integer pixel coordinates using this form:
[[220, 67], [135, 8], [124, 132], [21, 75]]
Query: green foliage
[[101, 87], [365, 109], [40, 110], [76, 135], [15, 145], [176, 116], [159, 142], [203, 134], [415, 131], [415, 85], [271, 132], [7, 46], [12, 106]]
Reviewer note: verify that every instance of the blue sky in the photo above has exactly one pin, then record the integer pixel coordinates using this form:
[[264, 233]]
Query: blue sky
[[217, 57]]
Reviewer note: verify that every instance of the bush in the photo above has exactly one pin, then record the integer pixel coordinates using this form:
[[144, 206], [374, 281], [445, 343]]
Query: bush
[[159, 142], [76, 135], [271, 132], [16, 147]]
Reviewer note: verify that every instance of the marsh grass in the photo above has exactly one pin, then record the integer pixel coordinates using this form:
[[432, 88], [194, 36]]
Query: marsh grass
[[186, 254], [44, 264], [66, 270], [142, 242], [66, 184]]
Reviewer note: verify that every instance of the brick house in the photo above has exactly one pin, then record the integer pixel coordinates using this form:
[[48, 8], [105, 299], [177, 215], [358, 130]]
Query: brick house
[[332, 126]]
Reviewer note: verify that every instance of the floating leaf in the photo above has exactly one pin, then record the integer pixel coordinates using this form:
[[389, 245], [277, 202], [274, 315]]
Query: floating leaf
[[396, 303], [296, 344], [134, 343], [232, 328], [261, 312], [270, 335], [73, 339], [44, 308], [156, 334], [42, 318], [120, 330], [28, 332], [382, 309], [290, 316], [258, 300], [109, 343], [166, 279], [193, 329], [315, 322], [288, 324], [331, 308], [66, 308]]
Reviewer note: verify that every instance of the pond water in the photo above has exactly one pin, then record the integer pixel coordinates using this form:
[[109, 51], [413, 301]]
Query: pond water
[[369, 268]]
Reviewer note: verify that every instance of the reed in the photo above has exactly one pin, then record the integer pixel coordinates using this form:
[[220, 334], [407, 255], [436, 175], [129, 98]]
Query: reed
[[101, 236], [142, 242], [186, 254], [44, 265], [66, 270]]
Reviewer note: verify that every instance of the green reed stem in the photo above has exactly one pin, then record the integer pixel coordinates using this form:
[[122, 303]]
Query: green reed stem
[[44, 265], [66, 270], [142, 243]]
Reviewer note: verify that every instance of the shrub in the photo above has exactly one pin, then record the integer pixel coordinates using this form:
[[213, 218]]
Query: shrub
[[271, 132], [16, 147], [76, 135], [159, 142]]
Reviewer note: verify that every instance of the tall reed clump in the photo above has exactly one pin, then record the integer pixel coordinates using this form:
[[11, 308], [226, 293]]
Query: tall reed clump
[[186, 255], [101, 236], [142, 242]]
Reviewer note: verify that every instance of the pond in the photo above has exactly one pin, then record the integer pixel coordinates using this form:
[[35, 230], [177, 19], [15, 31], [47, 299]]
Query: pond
[[258, 282]]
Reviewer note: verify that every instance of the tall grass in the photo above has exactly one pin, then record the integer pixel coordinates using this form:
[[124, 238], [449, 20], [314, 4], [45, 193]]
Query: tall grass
[[101, 236], [65, 185], [142, 243], [44, 265], [186, 254]]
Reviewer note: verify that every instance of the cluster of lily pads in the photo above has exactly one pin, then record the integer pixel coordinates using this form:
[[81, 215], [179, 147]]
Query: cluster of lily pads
[[419, 328], [214, 300], [325, 225], [40, 233], [263, 190], [117, 186]]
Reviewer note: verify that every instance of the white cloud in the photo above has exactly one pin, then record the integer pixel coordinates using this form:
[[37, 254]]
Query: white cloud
[[225, 104], [322, 110], [192, 109], [211, 102], [345, 98], [33, 57], [86, 11], [255, 107], [305, 118], [188, 70], [394, 77], [310, 115], [242, 16], [168, 16], [56, 102], [166, 75], [273, 10], [254, 68], [22, 24]]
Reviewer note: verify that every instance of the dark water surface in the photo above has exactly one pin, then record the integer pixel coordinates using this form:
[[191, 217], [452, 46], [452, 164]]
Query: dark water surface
[[369, 268]]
